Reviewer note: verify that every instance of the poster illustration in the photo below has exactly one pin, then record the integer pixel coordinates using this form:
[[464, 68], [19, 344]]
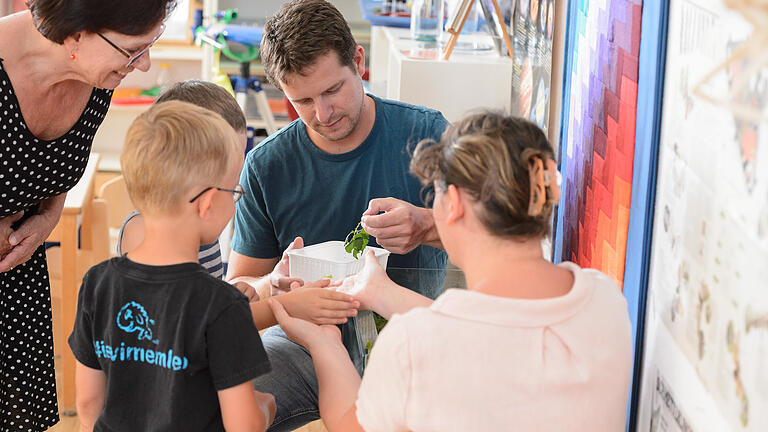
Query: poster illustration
[[706, 333], [532, 34]]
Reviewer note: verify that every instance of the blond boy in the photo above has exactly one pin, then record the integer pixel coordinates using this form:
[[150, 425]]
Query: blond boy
[[314, 304], [161, 344]]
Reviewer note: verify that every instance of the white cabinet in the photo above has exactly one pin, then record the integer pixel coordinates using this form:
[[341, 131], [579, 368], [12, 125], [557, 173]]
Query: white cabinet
[[468, 81]]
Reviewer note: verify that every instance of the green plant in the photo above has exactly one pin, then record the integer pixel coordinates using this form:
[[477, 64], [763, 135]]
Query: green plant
[[379, 321], [368, 348], [356, 241]]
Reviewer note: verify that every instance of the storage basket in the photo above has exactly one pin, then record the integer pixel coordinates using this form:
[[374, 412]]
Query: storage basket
[[329, 260]]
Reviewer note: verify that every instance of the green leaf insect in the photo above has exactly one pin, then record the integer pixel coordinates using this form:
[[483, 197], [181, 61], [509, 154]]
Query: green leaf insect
[[356, 241]]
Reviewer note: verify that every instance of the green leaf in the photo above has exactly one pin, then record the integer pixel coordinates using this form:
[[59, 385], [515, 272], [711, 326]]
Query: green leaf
[[356, 241]]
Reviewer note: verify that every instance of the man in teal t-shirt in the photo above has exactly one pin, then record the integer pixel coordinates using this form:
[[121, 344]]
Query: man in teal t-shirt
[[297, 189], [347, 154]]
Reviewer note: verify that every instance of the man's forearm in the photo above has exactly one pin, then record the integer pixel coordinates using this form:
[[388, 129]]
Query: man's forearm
[[430, 237]]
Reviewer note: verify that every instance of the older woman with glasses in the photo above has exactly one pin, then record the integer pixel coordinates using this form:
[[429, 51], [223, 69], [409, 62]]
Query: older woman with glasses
[[58, 64]]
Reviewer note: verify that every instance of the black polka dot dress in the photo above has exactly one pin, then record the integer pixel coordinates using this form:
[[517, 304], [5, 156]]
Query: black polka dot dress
[[32, 170]]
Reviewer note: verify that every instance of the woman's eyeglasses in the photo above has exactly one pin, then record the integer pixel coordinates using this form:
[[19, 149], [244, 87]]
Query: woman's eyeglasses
[[133, 58], [237, 192]]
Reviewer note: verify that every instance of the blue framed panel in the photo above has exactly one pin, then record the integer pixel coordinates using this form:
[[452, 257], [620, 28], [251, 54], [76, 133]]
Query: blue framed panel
[[571, 27], [649, 102], [647, 132]]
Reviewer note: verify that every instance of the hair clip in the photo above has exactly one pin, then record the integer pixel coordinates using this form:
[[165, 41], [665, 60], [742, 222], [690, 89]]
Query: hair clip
[[552, 180], [538, 190]]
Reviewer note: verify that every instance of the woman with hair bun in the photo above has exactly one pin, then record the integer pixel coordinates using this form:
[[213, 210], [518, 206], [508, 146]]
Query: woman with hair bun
[[528, 346], [59, 62]]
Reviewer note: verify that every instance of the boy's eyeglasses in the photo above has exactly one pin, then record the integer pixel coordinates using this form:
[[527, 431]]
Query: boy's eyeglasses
[[237, 192], [133, 58]]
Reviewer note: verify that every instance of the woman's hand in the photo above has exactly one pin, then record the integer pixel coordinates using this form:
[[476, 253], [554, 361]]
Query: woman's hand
[[32, 233], [303, 332], [369, 284], [316, 303], [5, 232]]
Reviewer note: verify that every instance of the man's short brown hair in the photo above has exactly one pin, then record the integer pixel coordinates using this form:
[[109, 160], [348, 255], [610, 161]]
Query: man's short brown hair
[[299, 33]]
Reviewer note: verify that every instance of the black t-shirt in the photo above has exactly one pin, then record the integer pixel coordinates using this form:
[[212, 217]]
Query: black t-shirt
[[167, 338]]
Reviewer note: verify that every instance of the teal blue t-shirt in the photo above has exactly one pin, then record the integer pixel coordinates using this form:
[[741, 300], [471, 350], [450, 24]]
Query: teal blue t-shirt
[[292, 188]]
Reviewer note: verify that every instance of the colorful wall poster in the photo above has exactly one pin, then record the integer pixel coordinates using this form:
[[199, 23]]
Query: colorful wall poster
[[705, 364], [598, 138]]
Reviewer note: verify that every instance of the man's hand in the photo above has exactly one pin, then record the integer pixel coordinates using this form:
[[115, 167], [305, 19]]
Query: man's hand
[[316, 303], [279, 278], [276, 282], [303, 332], [402, 227]]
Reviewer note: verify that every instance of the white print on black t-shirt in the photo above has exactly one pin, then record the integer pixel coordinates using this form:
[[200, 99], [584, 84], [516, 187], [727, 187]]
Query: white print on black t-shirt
[[134, 318]]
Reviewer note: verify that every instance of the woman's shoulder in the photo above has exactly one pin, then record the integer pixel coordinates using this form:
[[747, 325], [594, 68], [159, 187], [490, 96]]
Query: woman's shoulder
[[590, 278], [602, 294]]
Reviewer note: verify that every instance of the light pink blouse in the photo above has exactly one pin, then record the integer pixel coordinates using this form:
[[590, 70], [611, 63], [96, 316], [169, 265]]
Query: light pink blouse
[[474, 362]]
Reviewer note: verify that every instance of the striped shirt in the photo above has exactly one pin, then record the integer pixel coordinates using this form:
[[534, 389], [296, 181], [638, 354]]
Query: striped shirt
[[209, 255]]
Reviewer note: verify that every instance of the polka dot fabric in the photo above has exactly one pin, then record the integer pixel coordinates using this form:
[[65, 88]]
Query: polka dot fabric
[[32, 170]]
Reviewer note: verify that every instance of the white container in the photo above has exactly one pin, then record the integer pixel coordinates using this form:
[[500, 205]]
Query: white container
[[329, 260]]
